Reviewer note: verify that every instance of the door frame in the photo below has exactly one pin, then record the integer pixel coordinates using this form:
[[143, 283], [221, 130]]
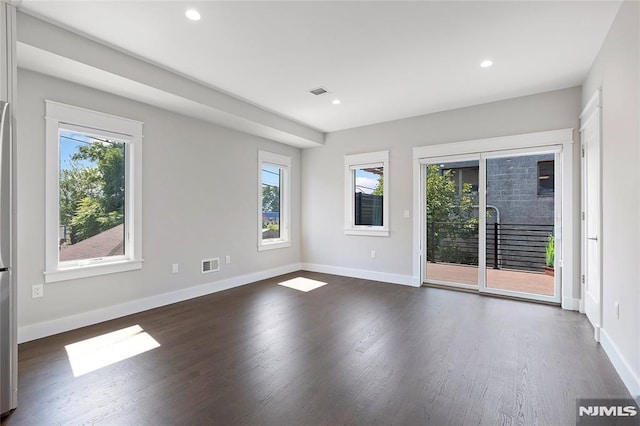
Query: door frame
[[561, 140], [592, 111]]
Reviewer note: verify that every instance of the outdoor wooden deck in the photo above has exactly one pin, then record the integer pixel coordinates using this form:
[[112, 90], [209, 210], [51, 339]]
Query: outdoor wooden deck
[[522, 281]]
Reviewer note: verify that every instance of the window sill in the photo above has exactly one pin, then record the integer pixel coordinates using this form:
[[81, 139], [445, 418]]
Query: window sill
[[86, 271], [274, 245], [371, 232]]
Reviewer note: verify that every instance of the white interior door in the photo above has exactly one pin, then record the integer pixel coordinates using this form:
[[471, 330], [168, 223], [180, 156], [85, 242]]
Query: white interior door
[[591, 228]]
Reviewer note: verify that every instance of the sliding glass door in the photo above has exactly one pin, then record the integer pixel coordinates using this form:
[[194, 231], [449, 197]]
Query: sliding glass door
[[510, 248]]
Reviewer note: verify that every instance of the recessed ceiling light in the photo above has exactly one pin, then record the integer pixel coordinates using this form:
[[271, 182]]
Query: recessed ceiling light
[[336, 101], [486, 63], [192, 14]]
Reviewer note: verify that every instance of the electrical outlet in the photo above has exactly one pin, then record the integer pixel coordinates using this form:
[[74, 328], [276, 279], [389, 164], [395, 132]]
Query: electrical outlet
[[174, 268], [227, 259], [37, 291], [406, 214], [373, 254]]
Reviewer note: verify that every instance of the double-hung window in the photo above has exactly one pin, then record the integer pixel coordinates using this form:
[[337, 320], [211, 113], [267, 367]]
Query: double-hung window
[[273, 201], [93, 193], [367, 194]]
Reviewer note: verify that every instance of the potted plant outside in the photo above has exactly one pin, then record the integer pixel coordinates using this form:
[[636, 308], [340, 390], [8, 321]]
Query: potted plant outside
[[550, 249]]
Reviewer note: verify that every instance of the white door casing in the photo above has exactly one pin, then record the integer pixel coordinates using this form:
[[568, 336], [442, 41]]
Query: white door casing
[[590, 132]]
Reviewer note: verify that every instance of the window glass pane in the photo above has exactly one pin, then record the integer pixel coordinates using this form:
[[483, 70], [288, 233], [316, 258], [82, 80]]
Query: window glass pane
[[520, 242], [452, 222], [369, 194], [92, 197], [271, 202], [463, 173]]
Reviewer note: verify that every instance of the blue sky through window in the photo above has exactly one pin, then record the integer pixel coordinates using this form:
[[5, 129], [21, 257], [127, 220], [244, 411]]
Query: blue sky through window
[[70, 142], [366, 182], [270, 175]]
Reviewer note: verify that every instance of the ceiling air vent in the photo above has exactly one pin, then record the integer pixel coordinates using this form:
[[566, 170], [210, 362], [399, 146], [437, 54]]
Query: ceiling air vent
[[210, 265], [319, 91]]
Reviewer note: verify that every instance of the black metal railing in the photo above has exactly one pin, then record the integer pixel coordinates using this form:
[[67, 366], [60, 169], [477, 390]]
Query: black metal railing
[[517, 246], [508, 245]]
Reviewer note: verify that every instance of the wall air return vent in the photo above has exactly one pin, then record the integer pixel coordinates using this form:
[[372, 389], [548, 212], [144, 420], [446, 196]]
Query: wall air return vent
[[210, 265], [319, 91]]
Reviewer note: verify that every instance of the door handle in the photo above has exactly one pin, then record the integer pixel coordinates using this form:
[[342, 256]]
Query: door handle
[[593, 238]]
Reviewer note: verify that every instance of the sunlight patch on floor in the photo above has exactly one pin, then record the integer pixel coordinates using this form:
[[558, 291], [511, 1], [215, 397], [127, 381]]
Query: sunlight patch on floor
[[100, 351], [302, 284]]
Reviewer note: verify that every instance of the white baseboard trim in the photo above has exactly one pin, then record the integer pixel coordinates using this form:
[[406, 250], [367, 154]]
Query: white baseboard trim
[[60, 325], [570, 304], [363, 274], [626, 373]]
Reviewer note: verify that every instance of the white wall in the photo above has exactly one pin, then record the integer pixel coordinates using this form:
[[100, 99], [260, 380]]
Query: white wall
[[324, 242], [616, 72], [199, 201]]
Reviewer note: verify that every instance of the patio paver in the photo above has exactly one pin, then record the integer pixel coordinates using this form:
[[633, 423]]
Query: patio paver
[[522, 281]]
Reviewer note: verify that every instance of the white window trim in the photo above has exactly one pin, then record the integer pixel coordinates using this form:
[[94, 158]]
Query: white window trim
[[284, 163], [351, 162], [61, 116]]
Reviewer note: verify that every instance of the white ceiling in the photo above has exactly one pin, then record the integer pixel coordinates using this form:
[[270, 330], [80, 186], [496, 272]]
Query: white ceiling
[[383, 60]]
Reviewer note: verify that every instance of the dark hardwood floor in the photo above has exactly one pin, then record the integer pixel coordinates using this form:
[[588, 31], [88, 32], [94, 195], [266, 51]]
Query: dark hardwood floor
[[350, 352]]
